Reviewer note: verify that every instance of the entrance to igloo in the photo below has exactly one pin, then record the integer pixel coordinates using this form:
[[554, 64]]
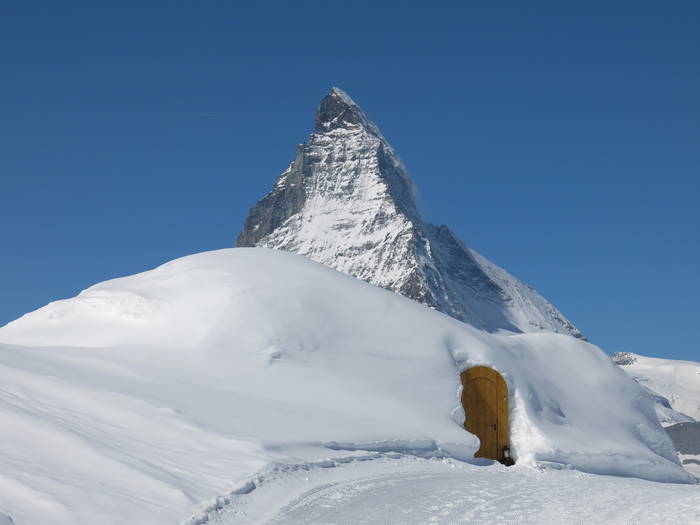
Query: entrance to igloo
[[485, 402]]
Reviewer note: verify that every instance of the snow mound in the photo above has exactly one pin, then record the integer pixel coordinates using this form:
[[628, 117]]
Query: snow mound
[[674, 384], [165, 388]]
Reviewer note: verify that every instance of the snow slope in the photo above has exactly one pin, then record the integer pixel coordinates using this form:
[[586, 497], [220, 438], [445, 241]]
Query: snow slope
[[145, 396], [675, 385], [348, 202], [405, 490]]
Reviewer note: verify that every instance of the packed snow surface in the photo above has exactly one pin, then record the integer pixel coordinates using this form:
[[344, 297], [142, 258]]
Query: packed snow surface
[[406, 491], [675, 385], [144, 397]]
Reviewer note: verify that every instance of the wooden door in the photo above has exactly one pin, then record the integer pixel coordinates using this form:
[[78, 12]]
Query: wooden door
[[485, 402]]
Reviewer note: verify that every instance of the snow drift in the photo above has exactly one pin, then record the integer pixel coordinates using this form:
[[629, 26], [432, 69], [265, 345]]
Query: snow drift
[[145, 395]]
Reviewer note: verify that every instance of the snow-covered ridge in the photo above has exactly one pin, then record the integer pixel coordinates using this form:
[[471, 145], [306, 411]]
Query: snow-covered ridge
[[348, 202], [675, 385], [252, 353]]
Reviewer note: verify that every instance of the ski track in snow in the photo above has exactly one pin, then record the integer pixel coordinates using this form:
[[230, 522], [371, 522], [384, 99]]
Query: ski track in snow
[[407, 490]]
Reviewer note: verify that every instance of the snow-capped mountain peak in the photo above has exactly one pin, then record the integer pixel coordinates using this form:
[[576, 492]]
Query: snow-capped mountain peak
[[348, 202], [338, 110]]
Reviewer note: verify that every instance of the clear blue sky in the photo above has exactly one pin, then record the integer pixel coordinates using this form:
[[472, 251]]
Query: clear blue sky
[[560, 139]]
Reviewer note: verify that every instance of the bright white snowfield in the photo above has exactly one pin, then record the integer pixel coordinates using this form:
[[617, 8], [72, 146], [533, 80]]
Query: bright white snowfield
[[674, 384], [144, 398]]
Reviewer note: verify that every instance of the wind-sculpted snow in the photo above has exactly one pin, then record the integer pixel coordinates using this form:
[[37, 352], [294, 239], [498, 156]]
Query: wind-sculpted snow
[[347, 201], [112, 417]]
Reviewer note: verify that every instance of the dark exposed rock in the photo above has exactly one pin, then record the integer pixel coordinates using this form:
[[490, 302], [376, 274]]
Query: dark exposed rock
[[686, 437], [624, 358], [286, 199], [334, 112]]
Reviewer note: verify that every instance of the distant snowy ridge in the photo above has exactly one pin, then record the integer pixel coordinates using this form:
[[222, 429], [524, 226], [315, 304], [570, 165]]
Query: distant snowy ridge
[[348, 202], [674, 385]]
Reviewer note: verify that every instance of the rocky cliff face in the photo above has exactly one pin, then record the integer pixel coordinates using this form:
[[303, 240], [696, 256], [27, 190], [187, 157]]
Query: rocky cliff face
[[346, 201]]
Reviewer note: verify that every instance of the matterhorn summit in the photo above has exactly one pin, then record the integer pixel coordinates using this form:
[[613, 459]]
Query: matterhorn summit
[[347, 201]]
